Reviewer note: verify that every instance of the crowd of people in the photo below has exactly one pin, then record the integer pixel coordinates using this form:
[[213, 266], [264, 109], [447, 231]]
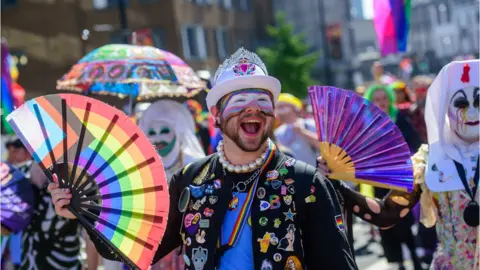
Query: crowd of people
[[295, 219]]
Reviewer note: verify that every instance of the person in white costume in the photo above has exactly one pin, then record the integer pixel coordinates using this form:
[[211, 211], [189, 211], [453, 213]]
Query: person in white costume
[[171, 129]]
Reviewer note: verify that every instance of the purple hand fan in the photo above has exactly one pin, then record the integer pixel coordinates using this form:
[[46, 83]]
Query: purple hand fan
[[17, 198], [359, 141]]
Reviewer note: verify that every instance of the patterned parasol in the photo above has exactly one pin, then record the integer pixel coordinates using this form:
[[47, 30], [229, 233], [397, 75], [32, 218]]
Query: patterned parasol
[[139, 72]]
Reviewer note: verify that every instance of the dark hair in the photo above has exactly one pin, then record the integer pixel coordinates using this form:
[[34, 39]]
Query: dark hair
[[17, 143]]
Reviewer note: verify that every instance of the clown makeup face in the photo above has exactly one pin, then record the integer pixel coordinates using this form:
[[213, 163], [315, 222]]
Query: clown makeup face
[[162, 136], [246, 117], [463, 113]]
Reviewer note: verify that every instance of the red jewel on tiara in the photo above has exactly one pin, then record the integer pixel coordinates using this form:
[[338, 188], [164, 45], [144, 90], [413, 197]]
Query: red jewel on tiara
[[466, 74]]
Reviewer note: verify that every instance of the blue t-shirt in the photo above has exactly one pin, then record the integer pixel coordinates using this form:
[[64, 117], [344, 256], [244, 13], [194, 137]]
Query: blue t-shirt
[[241, 255]]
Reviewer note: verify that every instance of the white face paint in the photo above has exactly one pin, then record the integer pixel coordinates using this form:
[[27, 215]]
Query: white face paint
[[162, 135], [463, 113]]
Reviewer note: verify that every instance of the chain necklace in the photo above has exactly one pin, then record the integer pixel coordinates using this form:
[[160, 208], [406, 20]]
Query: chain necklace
[[241, 186]]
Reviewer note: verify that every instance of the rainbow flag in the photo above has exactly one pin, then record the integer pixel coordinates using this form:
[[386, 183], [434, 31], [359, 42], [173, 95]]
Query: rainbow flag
[[392, 22], [7, 105]]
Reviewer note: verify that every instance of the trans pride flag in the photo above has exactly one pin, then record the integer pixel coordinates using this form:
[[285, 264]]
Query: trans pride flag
[[392, 22]]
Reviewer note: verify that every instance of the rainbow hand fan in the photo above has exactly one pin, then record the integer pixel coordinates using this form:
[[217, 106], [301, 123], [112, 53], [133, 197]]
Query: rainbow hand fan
[[359, 141], [118, 184]]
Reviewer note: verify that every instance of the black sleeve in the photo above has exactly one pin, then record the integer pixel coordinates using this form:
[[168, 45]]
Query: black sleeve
[[384, 212], [334, 187], [171, 239], [325, 243]]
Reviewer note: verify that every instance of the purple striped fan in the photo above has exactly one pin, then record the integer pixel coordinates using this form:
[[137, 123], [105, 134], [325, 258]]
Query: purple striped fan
[[359, 141]]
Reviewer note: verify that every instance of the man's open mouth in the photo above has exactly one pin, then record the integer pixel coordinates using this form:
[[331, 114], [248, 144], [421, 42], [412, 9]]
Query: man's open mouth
[[472, 123], [251, 127]]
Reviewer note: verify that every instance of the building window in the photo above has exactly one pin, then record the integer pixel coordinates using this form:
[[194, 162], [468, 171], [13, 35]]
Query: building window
[[442, 14], [8, 3], [104, 4], [208, 44], [242, 5], [221, 36], [227, 4], [193, 39], [143, 37], [149, 37], [117, 38], [202, 2]]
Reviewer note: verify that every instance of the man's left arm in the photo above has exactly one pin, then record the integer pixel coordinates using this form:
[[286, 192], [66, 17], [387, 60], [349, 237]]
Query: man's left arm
[[325, 243]]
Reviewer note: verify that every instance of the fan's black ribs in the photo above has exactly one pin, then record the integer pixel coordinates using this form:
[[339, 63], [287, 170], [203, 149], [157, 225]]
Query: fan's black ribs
[[99, 146], [123, 212], [80, 143], [47, 141], [65, 143], [113, 226], [127, 193], [115, 155], [88, 226], [119, 176]]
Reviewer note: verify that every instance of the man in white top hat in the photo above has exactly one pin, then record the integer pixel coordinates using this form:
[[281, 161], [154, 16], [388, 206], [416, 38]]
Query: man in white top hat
[[249, 206]]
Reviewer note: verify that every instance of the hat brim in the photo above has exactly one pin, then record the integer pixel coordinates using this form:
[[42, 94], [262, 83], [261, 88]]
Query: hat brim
[[243, 82]]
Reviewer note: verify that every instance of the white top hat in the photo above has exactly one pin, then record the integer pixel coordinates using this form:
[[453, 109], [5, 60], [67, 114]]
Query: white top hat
[[243, 70]]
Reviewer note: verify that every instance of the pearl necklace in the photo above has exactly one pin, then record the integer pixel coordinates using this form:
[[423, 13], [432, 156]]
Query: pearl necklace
[[239, 168]]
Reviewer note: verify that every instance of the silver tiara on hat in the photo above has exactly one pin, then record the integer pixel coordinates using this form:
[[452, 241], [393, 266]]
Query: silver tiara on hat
[[241, 55]]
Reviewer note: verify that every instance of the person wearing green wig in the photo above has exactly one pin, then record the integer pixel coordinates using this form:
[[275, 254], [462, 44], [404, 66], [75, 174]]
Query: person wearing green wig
[[384, 98], [392, 239]]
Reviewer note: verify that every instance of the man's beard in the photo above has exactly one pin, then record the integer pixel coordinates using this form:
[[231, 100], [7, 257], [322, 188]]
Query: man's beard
[[230, 129]]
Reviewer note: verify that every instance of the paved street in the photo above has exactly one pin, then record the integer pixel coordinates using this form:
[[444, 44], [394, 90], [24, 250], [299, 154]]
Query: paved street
[[371, 257]]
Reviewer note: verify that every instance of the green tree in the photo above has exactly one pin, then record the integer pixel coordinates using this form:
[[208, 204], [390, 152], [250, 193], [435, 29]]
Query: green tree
[[288, 59]]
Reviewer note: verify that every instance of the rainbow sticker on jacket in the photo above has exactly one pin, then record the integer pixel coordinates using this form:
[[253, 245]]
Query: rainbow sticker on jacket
[[339, 221]]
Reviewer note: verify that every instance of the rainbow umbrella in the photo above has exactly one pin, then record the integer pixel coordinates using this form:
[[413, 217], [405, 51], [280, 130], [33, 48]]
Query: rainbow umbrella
[[392, 21], [139, 72]]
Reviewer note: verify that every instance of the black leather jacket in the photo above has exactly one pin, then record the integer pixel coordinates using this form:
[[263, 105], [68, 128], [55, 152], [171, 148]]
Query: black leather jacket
[[319, 238]]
